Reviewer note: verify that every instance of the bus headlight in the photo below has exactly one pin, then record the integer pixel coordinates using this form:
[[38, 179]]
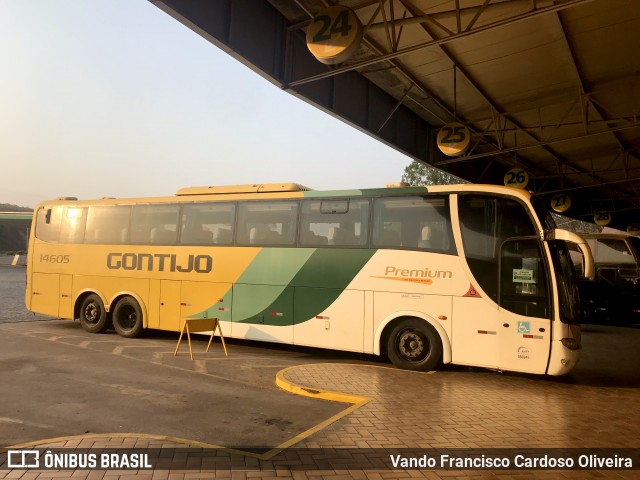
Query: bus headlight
[[571, 343]]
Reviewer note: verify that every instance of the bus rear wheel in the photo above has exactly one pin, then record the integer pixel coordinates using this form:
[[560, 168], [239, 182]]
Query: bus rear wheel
[[93, 316], [127, 318], [413, 344]]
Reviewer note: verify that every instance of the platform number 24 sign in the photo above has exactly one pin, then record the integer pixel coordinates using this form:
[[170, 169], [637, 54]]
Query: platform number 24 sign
[[334, 34]]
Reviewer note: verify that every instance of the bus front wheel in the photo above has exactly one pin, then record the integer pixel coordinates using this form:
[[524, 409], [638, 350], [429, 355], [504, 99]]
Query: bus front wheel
[[127, 318], [413, 344], [93, 316]]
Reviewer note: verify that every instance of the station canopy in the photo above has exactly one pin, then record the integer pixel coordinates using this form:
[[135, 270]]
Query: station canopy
[[549, 87]]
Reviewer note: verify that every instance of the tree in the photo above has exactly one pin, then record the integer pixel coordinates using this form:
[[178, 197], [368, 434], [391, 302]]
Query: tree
[[10, 207], [574, 225], [418, 174]]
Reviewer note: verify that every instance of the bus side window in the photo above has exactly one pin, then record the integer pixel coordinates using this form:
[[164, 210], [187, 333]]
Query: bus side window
[[48, 224], [334, 222], [73, 225], [105, 224], [523, 285], [156, 224], [339, 235], [613, 251], [194, 232], [222, 236], [413, 222], [485, 222], [431, 238], [267, 223], [208, 223]]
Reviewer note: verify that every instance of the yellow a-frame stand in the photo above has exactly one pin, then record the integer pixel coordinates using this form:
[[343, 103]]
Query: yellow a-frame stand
[[193, 325]]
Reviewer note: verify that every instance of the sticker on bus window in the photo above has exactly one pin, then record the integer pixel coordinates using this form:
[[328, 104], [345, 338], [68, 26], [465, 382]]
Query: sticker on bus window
[[522, 275]]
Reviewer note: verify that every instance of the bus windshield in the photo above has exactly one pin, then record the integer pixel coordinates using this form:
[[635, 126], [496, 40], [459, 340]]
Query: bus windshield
[[567, 284], [547, 220], [565, 273]]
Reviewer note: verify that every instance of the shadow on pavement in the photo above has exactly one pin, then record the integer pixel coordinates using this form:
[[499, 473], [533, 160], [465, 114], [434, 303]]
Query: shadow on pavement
[[607, 363]]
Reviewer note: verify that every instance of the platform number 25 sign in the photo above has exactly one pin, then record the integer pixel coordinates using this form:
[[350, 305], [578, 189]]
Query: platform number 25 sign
[[453, 139]]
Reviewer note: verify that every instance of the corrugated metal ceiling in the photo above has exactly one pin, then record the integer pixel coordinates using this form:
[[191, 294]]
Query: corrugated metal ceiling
[[551, 86]]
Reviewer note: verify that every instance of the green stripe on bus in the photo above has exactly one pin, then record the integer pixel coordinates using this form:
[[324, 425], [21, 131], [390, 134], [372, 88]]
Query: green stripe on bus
[[273, 269], [326, 274], [319, 275], [275, 266], [332, 267]]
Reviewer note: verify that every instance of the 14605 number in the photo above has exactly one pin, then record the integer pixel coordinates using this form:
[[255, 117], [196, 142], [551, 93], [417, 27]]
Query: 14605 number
[[54, 258]]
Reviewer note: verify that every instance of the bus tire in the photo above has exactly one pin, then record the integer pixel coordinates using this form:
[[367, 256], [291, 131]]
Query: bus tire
[[93, 316], [127, 318], [413, 344]]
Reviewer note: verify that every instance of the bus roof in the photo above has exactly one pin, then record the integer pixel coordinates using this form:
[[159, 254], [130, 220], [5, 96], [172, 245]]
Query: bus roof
[[290, 190], [249, 188]]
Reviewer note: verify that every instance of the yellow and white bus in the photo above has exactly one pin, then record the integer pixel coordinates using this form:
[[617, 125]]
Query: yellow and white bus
[[465, 274]]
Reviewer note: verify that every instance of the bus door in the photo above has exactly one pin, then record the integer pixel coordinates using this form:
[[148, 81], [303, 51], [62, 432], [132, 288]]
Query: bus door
[[524, 307], [170, 309], [45, 293], [502, 252]]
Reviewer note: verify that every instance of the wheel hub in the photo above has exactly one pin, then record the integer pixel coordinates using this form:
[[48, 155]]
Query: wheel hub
[[411, 345], [91, 313], [129, 317]]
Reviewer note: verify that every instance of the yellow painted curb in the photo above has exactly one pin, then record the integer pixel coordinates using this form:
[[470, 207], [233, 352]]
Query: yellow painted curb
[[315, 392]]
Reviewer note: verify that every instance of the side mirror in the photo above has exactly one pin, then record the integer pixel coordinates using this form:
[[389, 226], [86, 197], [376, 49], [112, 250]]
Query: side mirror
[[589, 263]]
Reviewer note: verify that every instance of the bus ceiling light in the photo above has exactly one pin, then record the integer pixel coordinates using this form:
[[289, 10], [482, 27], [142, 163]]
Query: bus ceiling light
[[571, 343]]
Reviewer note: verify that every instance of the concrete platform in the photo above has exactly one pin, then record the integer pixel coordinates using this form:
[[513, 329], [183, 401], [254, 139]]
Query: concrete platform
[[65, 388]]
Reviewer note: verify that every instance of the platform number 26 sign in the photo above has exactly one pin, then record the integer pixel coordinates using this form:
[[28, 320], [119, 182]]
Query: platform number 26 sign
[[516, 177]]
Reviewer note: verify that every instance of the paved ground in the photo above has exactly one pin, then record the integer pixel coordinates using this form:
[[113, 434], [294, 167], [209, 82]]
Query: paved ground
[[12, 285], [102, 392]]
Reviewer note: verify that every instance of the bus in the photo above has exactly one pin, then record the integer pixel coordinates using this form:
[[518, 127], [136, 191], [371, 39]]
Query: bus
[[474, 275], [614, 297]]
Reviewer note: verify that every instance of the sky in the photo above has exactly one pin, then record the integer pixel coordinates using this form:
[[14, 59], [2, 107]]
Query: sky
[[114, 98]]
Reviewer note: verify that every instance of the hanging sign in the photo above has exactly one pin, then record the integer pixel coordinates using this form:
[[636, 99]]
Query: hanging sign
[[516, 177], [561, 202], [633, 229], [334, 34], [453, 139], [602, 218]]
